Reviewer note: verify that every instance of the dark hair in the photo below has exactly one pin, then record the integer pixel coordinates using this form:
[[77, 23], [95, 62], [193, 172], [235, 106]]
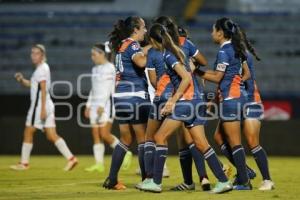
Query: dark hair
[[122, 30], [171, 27], [103, 47], [182, 32], [249, 46], [232, 31], [160, 34]]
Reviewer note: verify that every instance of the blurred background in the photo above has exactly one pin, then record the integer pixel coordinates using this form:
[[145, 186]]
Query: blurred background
[[68, 29]]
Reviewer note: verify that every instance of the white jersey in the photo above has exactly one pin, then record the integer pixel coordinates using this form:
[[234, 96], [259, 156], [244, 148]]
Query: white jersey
[[103, 87], [41, 73]]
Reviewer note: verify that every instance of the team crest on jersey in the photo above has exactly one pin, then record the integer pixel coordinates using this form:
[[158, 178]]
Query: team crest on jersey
[[221, 67], [135, 46]]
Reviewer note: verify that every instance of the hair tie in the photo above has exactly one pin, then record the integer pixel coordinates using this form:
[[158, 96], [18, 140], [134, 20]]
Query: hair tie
[[107, 48]]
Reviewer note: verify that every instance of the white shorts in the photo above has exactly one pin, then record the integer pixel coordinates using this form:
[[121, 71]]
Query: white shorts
[[107, 115], [34, 116]]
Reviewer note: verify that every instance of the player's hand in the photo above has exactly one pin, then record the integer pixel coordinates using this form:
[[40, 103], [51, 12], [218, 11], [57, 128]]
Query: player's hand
[[87, 112], [100, 111], [43, 114], [19, 76], [168, 108]]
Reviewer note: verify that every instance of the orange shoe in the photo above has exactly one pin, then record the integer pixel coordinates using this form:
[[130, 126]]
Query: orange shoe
[[119, 186]]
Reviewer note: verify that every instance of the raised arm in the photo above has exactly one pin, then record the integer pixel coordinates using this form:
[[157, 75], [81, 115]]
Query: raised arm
[[20, 78]]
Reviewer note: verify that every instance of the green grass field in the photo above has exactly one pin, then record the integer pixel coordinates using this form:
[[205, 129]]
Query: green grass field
[[47, 180]]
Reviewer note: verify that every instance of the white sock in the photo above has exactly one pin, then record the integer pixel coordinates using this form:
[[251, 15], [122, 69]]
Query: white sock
[[63, 148], [165, 166], [99, 152], [25, 152], [114, 144]]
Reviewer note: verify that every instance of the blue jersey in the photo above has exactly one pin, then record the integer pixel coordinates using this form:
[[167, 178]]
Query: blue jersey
[[131, 80], [155, 61], [231, 85], [190, 50], [250, 84], [171, 61]]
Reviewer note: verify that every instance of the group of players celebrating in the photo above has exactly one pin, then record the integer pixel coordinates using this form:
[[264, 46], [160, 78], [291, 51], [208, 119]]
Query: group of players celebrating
[[164, 57]]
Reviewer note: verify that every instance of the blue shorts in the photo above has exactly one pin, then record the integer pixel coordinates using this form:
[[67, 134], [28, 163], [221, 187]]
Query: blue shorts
[[155, 109], [231, 109], [253, 111], [191, 113], [131, 110]]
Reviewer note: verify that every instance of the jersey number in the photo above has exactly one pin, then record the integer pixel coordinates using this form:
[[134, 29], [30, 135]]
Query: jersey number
[[119, 63]]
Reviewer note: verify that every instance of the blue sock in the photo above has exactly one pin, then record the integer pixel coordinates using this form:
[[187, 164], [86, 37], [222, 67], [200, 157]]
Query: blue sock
[[261, 161], [214, 164], [159, 162], [239, 158], [141, 154], [226, 150], [149, 152], [186, 162], [117, 159], [199, 161]]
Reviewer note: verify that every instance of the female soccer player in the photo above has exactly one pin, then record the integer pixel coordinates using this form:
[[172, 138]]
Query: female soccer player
[[41, 111], [185, 142], [253, 112], [131, 95], [99, 108], [183, 106], [232, 95]]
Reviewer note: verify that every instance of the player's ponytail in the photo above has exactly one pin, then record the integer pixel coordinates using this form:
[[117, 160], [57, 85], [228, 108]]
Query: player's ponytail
[[232, 31], [160, 34], [122, 30], [171, 27], [249, 46]]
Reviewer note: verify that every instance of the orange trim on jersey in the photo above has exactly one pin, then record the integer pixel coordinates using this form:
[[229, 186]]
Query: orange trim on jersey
[[234, 91], [162, 84], [181, 41], [189, 92], [256, 94], [124, 45]]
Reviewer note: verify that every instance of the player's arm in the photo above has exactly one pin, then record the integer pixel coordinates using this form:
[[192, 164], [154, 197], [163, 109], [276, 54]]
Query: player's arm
[[185, 81], [200, 59], [246, 72], [210, 75], [152, 77], [43, 99], [140, 59], [20, 78], [88, 105]]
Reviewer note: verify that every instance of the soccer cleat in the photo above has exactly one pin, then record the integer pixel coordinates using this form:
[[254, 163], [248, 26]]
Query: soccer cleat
[[71, 164], [113, 185], [246, 186], [183, 187], [205, 184], [127, 160], [151, 187], [140, 184], [97, 167], [20, 167], [222, 187], [227, 170], [266, 185]]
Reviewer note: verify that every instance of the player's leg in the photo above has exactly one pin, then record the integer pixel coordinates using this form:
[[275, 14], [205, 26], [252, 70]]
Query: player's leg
[[26, 149], [161, 137], [251, 132], [198, 134], [98, 150], [107, 136], [62, 147], [118, 156]]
